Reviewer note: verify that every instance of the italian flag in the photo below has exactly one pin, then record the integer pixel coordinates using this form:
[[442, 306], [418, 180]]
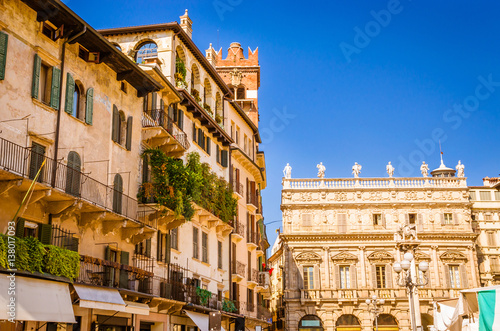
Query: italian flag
[[489, 310]]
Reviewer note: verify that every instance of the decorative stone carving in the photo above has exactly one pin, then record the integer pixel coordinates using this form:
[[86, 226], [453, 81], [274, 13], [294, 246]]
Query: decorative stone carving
[[321, 170], [460, 169], [419, 256], [424, 169], [390, 169], [356, 169], [308, 257], [345, 257], [406, 232], [287, 172], [452, 256], [380, 257], [236, 76]]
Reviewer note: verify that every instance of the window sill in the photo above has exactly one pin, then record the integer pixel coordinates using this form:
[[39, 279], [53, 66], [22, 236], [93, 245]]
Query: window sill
[[119, 145], [77, 119], [43, 105], [206, 264], [175, 250], [204, 151]]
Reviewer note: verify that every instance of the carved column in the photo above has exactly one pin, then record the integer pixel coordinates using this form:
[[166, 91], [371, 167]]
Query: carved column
[[473, 269], [362, 265], [327, 267], [435, 261]]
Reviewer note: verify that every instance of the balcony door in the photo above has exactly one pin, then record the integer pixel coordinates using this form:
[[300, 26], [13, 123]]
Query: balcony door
[[36, 160], [73, 173]]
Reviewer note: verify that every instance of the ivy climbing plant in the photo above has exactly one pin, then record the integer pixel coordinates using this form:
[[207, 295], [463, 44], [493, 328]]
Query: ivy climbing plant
[[204, 295]]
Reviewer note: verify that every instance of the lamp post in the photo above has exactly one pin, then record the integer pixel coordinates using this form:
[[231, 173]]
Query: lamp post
[[376, 309], [406, 277]]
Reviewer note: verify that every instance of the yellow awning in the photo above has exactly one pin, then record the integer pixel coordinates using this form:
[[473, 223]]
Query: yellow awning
[[99, 298], [136, 308], [35, 300]]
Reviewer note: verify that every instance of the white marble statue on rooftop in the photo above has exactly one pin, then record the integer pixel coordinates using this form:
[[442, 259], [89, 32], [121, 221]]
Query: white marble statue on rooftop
[[321, 170], [287, 172], [424, 169], [460, 169], [390, 169], [356, 169]]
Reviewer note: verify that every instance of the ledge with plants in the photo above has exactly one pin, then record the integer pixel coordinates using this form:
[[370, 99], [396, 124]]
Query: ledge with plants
[[196, 95], [207, 107], [176, 185], [229, 306], [204, 295], [34, 257], [180, 73]]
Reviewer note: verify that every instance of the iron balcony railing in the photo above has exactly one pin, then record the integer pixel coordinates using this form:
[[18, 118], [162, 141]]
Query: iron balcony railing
[[253, 237], [95, 271], [238, 188], [252, 198], [158, 117], [238, 268], [63, 238], [24, 162], [239, 228]]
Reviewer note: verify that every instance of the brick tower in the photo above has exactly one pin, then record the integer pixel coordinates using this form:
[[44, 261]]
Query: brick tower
[[241, 74]]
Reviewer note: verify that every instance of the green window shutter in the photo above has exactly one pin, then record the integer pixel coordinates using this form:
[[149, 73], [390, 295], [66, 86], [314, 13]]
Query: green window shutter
[[208, 143], [167, 247], [20, 227], [180, 121], [45, 233], [128, 143], [107, 253], [70, 91], [224, 158], [194, 132], [217, 154], [74, 244], [124, 257], [148, 247], [55, 91], [89, 107], [116, 124], [35, 85], [3, 53]]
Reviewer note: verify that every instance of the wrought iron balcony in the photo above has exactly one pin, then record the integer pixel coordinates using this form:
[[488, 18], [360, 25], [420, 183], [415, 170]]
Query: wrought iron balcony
[[159, 118], [25, 163], [238, 188]]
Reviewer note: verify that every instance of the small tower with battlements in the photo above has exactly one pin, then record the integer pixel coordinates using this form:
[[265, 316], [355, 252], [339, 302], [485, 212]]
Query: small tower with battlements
[[242, 74]]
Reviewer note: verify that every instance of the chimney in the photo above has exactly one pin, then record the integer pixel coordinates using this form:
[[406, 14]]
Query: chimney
[[187, 24], [211, 56]]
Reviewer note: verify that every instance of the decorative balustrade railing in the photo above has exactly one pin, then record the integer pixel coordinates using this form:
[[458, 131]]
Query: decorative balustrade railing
[[252, 198], [63, 238], [253, 237], [253, 275], [239, 228], [238, 268], [158, 117], [238, 188], [346, 183], [24, 162]]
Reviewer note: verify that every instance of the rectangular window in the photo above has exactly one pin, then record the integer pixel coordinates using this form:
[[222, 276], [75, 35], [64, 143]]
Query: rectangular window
[[45, 83], [377, 219], [472, 195], [308, 273], [491, 238], [195, 243], [245, 143], [237, 135], [488, 217], [448, 218], [497, 195], [51, 32], [204, 247], [174, 241], [485, 195], [307, 220], [494, 265], [219, 254], [454, 271], [380, 270], [345, 280], [232, 130], [412, 218]]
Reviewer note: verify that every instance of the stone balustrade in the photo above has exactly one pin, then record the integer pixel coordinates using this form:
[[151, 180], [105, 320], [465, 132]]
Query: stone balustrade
[[378, 183]]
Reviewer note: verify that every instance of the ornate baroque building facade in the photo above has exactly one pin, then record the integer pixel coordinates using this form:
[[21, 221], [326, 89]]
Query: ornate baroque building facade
[[338, 247]]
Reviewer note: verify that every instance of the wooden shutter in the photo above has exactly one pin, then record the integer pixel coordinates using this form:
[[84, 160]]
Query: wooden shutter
[[208, 143], [388, 276], [89, 107], [420, 222], [3, 53], [194, 132], [317, 277], [124, 259], [224, 159], [168, 241], [383, 220], [153, 101], [354, 276], [337, 276], [145, 103], [70, 91], [128, 143], [116, 124], [217, 154], [180, 119], [107, 253], [20, 227], [447, 275], [148, 247], [455, 218], [37, 157], [55, 91], [35, 85], [159, 253], [442, 219], [195, 242], [463, 276], [374, 276]]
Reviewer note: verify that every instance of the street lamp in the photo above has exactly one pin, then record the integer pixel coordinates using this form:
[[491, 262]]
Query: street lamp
[[376, 309], [406, 277]]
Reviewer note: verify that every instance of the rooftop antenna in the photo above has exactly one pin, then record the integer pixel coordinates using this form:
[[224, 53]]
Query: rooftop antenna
[[217, 38]]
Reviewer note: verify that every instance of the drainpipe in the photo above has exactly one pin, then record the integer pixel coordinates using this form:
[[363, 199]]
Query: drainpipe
[[230, 273], [58, 124]]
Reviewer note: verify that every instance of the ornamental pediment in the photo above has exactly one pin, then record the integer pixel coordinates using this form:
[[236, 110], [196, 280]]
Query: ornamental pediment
[[344, 257], [419, 256], [380, 256], [308, 257], [452, 256]]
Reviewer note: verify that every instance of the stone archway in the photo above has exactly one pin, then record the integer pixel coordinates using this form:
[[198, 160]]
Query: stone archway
[[387, 322], [310, 323], [427, 320], [348, 322]]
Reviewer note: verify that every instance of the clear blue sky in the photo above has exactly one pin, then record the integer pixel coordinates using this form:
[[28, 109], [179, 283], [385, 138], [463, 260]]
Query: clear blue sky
[[380, 95]]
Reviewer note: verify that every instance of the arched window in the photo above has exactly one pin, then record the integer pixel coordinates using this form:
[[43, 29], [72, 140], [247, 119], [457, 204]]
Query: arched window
[[73, 174], [117, 194], [310, 323], [240, 92], [117, 47], [122, 133], [146, 50], [77, 94], [348, 322], [387, 322]]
